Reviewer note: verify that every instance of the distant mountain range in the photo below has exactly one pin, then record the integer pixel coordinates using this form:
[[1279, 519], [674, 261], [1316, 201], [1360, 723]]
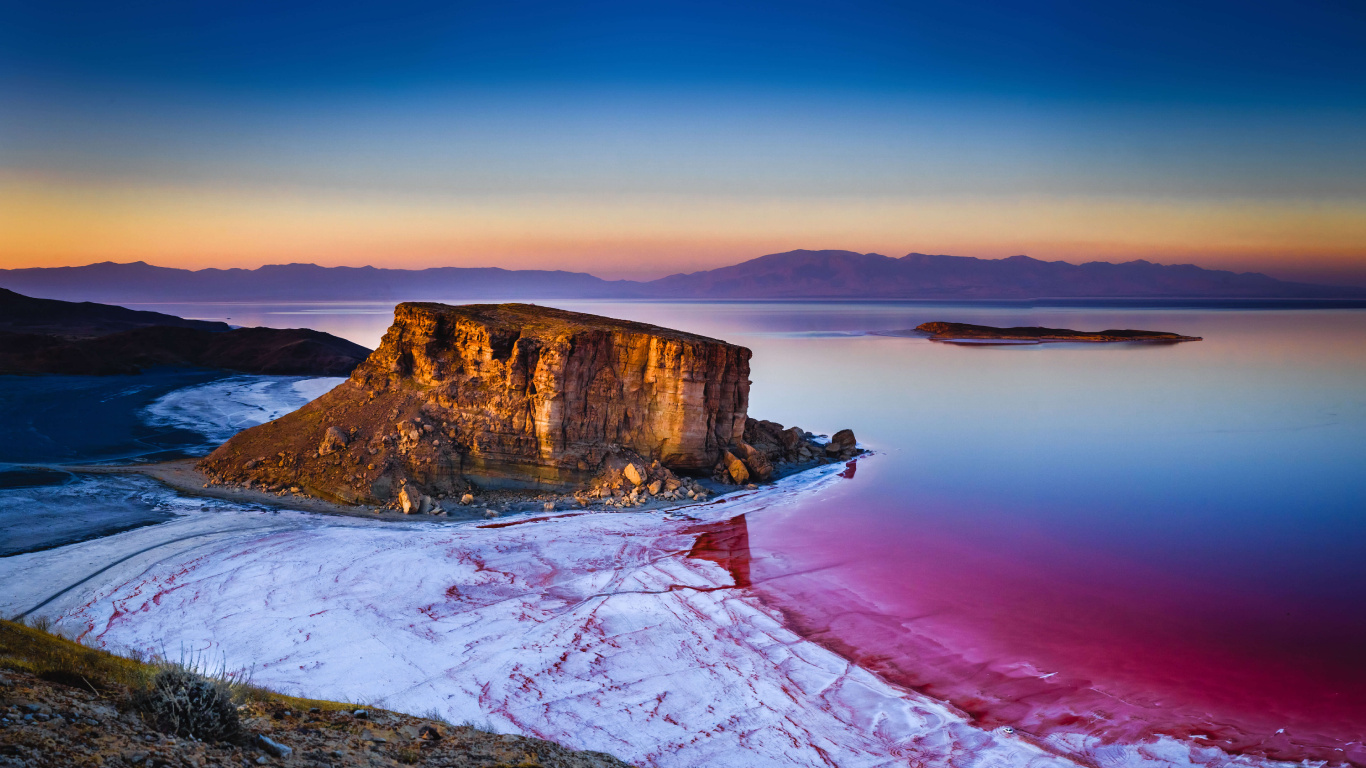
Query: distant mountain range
[[792, 275]]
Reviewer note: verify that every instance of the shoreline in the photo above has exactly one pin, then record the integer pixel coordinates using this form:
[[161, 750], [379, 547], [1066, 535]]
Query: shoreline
[[182, 476]]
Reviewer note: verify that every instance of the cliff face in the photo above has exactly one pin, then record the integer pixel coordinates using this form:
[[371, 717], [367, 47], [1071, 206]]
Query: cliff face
[[505, 395]]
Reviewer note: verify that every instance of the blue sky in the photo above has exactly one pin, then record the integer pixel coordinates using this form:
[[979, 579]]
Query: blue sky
[[671, 136]]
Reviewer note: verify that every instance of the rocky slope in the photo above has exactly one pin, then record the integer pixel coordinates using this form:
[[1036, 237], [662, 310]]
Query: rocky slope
[[514, 395], [50, 725]]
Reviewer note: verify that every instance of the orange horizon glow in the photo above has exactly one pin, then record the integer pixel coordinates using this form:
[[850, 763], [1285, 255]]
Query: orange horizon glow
[[64, 222]]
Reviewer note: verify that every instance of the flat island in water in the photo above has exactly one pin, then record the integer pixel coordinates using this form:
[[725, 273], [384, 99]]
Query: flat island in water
[[955, 332]]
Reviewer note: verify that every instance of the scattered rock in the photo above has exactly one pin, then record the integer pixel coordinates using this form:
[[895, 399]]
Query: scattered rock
[[409, 500], [760, 468], [845, 440], [735, 469], [549, 506], [632, 474], [333, 440], [275, 748], [467, 499]]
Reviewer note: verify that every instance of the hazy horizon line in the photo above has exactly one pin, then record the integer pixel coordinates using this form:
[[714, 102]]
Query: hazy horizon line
[[1344, 283]]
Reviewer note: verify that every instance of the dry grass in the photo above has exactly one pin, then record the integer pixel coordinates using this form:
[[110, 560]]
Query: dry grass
[[32, 648]]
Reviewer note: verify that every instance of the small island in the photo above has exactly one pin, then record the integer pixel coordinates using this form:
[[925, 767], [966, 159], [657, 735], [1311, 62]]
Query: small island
[[966, 332]]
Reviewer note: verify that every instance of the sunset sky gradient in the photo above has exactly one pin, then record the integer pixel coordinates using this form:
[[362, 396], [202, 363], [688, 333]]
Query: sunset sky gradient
[[640, 139]]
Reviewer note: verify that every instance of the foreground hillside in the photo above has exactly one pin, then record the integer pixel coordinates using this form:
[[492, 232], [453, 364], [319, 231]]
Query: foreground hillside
[[62, 704]]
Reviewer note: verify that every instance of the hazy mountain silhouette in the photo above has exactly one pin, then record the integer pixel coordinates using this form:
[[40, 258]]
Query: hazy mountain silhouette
[[792, 275], [142, 282], [846, 274]]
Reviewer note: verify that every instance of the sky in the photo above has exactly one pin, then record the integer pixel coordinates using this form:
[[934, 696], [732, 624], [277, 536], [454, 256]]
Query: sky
[[636, 140]]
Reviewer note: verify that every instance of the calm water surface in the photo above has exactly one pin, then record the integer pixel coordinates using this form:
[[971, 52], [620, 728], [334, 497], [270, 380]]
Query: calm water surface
[[1114, 540]]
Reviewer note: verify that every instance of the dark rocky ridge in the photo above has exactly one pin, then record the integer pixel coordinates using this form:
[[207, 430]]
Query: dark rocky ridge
[[519, 396], [21, 314], [46, 336], [942, 331]]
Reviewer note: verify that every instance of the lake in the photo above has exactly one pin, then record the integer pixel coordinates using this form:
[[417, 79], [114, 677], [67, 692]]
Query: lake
[[1108, 540]]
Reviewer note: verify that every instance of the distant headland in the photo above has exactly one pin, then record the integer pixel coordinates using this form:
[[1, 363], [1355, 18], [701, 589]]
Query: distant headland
[[63, 337]]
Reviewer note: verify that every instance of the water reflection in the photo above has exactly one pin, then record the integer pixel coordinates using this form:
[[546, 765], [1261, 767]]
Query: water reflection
[[1049, 531]]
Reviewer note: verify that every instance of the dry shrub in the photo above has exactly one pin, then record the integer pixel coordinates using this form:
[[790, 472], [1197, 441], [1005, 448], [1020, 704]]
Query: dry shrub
[[182, 702]]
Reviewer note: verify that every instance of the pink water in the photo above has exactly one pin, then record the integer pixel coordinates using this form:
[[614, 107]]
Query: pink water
[[1117, 541]]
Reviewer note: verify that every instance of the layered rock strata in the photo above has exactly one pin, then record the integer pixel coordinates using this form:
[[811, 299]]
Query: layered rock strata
[[508, 395]]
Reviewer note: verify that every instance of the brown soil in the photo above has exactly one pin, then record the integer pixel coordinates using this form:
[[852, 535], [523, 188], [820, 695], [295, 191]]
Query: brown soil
[[44, 723]]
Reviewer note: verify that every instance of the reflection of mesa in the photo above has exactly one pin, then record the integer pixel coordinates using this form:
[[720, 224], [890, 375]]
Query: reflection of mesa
[[510, 395]]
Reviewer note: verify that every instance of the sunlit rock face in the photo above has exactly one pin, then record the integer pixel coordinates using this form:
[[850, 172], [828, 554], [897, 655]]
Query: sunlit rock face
[[504, 395]]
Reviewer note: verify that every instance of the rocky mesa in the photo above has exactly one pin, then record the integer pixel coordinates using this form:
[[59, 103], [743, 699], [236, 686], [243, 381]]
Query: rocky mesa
[[520, 396]]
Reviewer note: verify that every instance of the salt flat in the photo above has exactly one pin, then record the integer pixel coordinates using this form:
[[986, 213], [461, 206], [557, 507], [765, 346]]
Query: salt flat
[[601, 631]]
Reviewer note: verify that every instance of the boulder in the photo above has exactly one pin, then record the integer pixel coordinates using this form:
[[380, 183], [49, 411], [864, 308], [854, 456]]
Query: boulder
[[845, 440], [760, 468], [632, 474], [735, 469], [409, 500], [275, 748], [333, 440]]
